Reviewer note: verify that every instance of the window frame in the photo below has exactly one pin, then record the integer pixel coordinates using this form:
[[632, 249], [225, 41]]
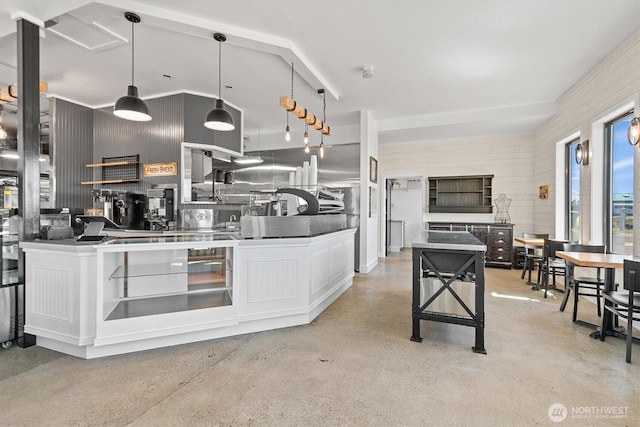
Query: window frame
[[569, 163], [608, 175]]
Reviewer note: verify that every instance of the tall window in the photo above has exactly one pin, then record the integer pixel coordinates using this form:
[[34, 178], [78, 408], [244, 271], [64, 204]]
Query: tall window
[[619, 176], [572, 192]]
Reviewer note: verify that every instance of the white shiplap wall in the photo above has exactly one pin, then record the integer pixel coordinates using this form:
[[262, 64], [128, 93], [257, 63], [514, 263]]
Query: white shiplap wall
[[615, 80], [509, 158]]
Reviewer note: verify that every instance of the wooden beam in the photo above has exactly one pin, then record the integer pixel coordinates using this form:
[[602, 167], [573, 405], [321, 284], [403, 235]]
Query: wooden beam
[[302, 113], [10, 93]]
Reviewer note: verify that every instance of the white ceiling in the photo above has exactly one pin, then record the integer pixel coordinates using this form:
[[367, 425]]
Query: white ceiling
[[443, 68]]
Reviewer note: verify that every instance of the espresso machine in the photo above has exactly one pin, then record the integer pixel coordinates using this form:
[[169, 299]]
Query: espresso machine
[[109, 204], [124, 208]]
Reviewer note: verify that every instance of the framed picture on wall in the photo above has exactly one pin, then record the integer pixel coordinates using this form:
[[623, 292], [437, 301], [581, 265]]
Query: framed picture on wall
[[543, 191], [373, 170]]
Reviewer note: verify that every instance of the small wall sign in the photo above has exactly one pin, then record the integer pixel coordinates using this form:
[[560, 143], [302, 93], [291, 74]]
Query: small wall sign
[[160, 169], [543, 191]]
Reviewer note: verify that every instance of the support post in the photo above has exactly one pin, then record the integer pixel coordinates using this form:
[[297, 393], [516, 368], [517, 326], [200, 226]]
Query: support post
[[29, 152]]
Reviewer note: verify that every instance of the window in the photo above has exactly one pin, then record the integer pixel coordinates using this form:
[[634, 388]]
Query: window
[[618, 186], [572, 192]]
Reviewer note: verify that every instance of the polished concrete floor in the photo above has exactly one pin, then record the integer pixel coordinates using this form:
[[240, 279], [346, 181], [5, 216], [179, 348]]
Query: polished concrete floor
[[353, 366]]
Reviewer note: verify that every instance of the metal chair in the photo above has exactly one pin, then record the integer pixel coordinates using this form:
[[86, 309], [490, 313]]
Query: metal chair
[[549, 264], [582, 285], [625, 304], [532, 254]]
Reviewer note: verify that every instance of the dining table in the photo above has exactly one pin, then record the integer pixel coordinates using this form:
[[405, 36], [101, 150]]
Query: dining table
[[530, 242], [609, 262]]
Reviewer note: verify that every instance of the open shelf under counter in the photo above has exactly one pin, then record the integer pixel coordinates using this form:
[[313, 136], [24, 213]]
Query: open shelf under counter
[[137, 307], [158, 269]]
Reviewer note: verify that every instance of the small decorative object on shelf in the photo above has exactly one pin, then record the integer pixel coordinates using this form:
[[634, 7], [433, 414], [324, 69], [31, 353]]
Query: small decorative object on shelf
[[502, 204]]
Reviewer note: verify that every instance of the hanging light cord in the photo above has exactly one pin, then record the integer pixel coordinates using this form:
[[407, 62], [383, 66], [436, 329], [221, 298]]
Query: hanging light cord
[[133, 44], [324, 114], [291, 91], [219, 69]]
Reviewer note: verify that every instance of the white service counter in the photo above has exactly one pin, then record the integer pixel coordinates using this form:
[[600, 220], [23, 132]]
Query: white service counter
[[134, 294]]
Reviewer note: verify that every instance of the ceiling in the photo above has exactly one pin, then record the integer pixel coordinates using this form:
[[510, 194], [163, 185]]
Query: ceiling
[[443, 69]]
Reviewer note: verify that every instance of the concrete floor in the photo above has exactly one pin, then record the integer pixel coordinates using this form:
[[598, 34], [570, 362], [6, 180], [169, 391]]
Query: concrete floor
[[354, 365]]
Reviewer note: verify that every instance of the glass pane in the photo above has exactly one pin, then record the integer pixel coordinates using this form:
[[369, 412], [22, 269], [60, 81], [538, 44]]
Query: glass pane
[[621, 188], [573, 198]]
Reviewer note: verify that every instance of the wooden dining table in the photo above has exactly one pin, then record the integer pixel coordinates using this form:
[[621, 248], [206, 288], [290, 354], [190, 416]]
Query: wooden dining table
[[610, 262], [530, 242]]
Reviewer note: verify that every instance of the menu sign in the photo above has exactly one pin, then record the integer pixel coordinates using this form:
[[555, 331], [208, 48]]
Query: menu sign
[[160, 169]]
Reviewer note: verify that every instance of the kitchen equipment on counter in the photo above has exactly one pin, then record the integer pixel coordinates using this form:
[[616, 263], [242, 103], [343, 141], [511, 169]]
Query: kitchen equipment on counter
[[192, 219], [161, 211], [256, 227], [126, 209]]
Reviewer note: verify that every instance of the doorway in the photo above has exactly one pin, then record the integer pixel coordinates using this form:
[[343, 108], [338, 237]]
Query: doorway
[[404, 222]]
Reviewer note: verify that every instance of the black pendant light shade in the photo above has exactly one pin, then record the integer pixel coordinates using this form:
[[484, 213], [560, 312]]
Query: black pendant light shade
[[219, 118], [228, 178], [131, 107]]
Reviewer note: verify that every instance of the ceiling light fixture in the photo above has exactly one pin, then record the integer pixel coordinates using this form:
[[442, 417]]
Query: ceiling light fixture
[[248, 160], [287, 130], [633, 133], [219, 118], [10, 93], [131, 107], [300, 112]]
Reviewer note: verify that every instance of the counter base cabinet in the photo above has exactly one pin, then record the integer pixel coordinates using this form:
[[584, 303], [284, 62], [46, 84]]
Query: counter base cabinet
[[497, 237], [100, 300]]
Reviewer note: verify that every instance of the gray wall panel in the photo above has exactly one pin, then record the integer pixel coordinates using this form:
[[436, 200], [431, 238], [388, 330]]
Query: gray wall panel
[[157, 141], [71, 141]]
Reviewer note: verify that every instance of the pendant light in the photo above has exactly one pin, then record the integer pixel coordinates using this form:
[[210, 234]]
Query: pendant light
[[307, 149], [219, 118], [287, 130], [324, 120], [131, 107]]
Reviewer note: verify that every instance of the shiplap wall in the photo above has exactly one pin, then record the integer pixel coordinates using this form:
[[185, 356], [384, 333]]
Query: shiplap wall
[[508, 158], [614, 80]]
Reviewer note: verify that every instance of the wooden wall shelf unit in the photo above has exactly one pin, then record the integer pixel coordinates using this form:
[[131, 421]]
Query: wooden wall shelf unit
[[117, 170], [460, 194]]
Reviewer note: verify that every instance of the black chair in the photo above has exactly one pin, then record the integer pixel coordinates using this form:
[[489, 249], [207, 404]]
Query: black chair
[[582, 285], [550, 265], [625, 304], [532, 254]]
